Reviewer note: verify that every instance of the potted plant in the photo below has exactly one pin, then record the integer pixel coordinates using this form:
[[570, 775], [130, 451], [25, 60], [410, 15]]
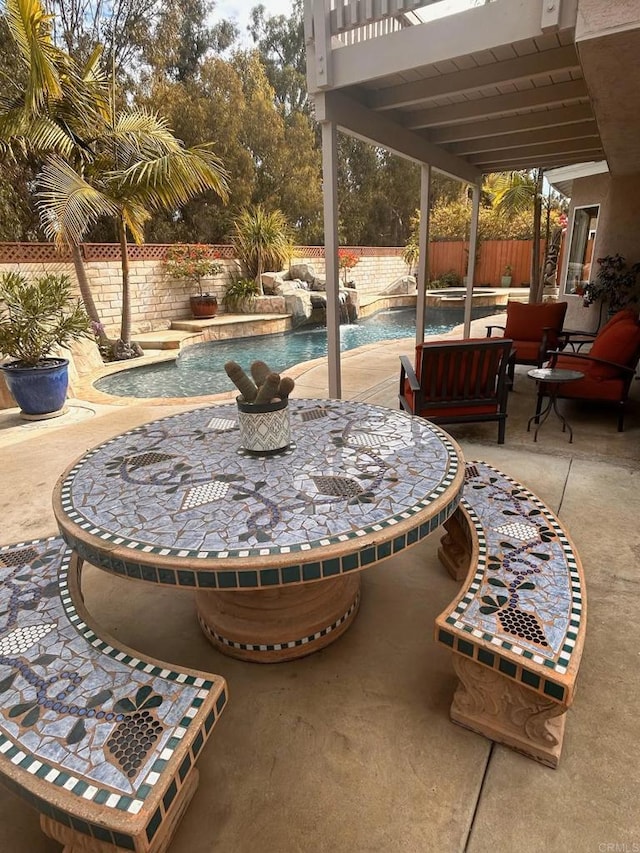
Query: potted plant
[[37, 316], [263, 408], [616, 284], [506, 279], [194, 262]]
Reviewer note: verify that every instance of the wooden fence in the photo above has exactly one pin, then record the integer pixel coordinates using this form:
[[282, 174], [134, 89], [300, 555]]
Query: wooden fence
[[494, 256]]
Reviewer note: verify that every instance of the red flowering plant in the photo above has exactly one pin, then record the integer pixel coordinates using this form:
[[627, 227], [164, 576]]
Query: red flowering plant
[[192, 261], [346, 261]]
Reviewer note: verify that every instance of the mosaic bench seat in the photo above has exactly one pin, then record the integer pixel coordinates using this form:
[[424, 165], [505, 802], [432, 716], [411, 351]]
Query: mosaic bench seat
[[101, 742], [517, 625]]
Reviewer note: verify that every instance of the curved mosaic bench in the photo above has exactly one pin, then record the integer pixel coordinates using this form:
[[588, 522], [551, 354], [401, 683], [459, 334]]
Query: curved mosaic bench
[[101, 742], [517, 626]]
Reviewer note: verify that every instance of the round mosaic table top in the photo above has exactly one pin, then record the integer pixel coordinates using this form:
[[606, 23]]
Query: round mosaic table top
[[176, 501]]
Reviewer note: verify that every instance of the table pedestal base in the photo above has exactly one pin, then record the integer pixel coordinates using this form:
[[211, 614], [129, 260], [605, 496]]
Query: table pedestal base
[[273, 625]]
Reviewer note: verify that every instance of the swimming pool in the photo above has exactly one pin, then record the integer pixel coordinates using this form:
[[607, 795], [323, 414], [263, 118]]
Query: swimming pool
[[199, 369]]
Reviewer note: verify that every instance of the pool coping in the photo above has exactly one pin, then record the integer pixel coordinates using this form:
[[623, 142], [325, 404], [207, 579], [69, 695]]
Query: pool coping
[[84, 388]]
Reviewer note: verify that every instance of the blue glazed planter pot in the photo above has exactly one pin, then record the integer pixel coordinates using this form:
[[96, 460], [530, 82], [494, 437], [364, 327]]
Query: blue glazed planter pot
[[41, 390]]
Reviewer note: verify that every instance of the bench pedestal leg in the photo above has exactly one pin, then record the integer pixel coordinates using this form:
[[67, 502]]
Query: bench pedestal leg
[[455, 546], [77, 842], [502, 710]]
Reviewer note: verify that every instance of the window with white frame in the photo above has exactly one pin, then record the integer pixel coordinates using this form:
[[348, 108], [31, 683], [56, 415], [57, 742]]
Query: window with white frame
[[581, 244]]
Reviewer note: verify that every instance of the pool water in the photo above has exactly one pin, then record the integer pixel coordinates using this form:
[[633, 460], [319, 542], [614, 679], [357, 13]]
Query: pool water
[[199, 369]]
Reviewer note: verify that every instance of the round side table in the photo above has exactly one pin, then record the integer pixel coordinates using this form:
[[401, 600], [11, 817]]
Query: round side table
[[553, 378]]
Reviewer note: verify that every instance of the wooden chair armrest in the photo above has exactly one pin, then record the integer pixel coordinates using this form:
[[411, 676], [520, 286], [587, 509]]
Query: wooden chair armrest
[[575, 339], [489, 328], [585, 356], [406, 370]]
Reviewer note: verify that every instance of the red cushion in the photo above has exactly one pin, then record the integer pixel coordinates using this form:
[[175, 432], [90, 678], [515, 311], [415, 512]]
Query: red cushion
[[623, 314], [590, 388], [526, 321], [527, 351], [619, 342], [444, 412]]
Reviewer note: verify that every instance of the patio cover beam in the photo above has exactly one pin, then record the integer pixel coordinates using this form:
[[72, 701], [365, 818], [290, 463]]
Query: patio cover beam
[[543, 162], [506, 155], [355, 119], [541, 136], [471, 79], [553, 118], [557, 93]]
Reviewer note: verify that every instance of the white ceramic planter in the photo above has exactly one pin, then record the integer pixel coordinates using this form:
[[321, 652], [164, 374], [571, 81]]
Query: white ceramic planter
[[264, 427]]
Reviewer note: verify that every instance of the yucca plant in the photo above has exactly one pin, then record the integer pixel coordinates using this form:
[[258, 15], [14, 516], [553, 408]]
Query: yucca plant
[[261, 241]]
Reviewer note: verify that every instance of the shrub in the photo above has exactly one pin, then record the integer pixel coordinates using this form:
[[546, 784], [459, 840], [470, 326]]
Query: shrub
[[240, 293], [192, 261]]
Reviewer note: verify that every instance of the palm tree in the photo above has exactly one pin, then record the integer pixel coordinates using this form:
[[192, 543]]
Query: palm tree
[[50, 111], [137, 167], [97, 161], [513, 193]]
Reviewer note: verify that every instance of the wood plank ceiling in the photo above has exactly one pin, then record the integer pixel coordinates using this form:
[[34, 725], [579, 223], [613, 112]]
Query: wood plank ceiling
[[517, 106]]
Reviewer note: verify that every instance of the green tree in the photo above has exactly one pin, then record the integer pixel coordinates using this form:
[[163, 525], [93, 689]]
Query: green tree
[[280, 42], [181, 39]]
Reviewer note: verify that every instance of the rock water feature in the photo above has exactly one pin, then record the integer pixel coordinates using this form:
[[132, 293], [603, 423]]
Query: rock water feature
[[304, 295]]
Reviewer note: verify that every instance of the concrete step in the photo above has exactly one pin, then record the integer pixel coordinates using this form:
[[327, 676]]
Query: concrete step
[[161, 339]]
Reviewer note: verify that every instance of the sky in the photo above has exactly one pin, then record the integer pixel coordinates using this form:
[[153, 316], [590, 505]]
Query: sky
[[238, 11]]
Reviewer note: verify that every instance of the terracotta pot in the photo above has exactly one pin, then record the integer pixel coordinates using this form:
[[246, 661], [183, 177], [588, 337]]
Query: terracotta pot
[[203, 307]]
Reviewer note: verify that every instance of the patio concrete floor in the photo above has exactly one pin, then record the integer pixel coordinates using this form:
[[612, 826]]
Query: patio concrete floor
[[351, 749]]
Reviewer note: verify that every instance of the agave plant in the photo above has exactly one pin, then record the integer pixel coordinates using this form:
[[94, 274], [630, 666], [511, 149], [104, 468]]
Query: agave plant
[[261, 240]]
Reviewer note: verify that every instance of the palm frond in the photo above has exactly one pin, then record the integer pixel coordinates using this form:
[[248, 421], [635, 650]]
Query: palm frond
[[135, 215], [139, 134], [31, 30], [67, 204], [45, 136], [169, 181], [513, 192]]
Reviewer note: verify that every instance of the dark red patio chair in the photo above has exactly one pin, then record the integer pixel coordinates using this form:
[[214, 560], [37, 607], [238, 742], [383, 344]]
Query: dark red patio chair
[[458, 382], [608, 367], [534, 328]]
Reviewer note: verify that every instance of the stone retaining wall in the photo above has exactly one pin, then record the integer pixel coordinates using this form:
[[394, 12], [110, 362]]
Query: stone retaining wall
[[157, 299]]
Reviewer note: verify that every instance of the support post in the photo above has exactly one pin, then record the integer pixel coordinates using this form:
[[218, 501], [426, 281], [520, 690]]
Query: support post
[[423, 250], [330, 208], [471, 264]]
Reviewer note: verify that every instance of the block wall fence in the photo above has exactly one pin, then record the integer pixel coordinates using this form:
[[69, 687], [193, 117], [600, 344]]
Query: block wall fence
[[157, 299]]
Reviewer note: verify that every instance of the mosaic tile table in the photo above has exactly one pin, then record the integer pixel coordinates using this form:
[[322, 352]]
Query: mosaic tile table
[[272, 546]]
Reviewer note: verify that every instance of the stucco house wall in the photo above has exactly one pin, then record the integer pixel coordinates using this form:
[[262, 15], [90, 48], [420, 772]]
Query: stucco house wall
[[618, 232]]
